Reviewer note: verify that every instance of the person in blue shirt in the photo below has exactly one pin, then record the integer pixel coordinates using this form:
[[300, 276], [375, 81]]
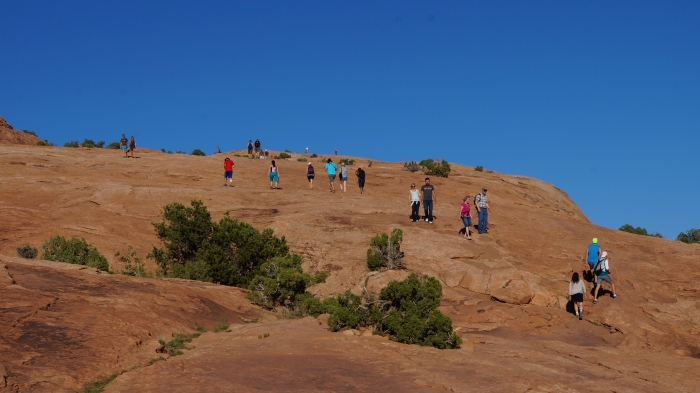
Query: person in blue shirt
[[592, 256], [331, 168]]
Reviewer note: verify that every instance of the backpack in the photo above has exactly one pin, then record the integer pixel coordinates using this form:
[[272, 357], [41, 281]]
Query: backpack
[[598, 268], [360, 173], [310, 170]]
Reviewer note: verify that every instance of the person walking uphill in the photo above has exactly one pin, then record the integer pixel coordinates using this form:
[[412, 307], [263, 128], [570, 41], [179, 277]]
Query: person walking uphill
[[427, 192], [132, 146], [602, 272], [343, 177], [481, 203], [228, 171], [124, 144], [250, 147], [592, 256], [360, 173], [310, 174], [331, 168], [466, 217], [415, 202], [274, 175], [577, 294]]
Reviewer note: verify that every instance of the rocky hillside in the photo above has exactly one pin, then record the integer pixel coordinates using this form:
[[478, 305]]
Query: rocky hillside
[[505, 290], [10, 136]]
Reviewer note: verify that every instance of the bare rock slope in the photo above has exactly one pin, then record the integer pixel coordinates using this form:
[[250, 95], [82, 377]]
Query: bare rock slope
[[10, 136], [505, 290]]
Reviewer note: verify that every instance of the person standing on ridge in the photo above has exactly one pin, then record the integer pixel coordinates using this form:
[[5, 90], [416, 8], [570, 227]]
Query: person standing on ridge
[[360, 173], [257, 145], [124, 144], [132, 146], [228, 171], [481, 203], [307, 150], [592, 257], [310, 174], [250, 147], [602, 272], [331, 169], [466, 217], [336, 152], [343, 177], [577, 294], [427, 193], [415, 203], [274, 175]]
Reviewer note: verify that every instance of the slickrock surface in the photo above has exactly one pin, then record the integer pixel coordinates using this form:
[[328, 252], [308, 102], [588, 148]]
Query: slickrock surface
[[10, 136], [63, 326]]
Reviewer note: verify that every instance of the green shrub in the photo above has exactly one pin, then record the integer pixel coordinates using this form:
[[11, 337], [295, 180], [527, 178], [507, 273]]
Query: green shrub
[[302, 159], [99, 386], [411, 166], [197, 152], [29, 132], [479, 168], [230, 252], [113, 145], [181, 152], [27, 251], [221, 325], [287, 151], [314, 155], [76, 251], [91, 144], [385, 251], [690, 236], [440, 168], [42, 143], [132, 268], [72, 144], [283, 156], [162, 149], [347, 161], [639, 231], [406, 311], [178, 342]]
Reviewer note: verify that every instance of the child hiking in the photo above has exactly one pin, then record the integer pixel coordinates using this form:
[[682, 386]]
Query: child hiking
[[132, 146], [343, 177], [602, 272], [124, 145], [466, 217], [577, 294], [360, 173], [228, 172], [415, 202]]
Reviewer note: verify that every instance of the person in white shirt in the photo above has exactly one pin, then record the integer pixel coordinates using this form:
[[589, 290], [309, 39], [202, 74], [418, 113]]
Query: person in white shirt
[[577, 294], [602, 272]]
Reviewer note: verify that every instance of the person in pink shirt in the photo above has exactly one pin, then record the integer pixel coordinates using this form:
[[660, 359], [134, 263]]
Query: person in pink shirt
[[465, 215]]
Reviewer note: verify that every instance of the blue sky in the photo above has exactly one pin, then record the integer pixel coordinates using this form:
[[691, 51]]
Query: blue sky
[[599, 98]]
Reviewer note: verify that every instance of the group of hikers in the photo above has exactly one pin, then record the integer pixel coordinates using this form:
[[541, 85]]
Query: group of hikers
[[127, 146], [597, 268], [256, 148]]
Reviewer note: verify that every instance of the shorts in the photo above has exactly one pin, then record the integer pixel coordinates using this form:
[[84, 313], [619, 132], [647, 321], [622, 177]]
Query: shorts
[[592, 265], [343, 178], [467, 221], [123, 147], [361, 182], [577, 298], [228, 174], [331, 178], [310, 176], [605, 278], [274, 177]]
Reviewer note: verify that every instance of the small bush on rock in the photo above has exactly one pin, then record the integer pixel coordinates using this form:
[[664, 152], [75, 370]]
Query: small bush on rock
[[197, 152], [72, 144], [690, 236], [440, 168], [76, 251], [113, 145], [479, 168], [385, 251], [134, 268], [283, 156], [27, 251], [639, 231]]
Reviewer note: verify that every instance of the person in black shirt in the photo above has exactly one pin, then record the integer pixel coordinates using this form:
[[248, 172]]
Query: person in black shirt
[[360, 173], [250, 147], [427, 194]]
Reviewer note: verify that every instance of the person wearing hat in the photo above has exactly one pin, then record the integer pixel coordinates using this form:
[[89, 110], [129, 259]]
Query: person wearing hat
[[310, 175], [592, 256], [331, 168], [481, 203], [602, 272]]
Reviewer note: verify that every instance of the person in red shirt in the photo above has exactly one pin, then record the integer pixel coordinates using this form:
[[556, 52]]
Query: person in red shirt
[[228, 174]]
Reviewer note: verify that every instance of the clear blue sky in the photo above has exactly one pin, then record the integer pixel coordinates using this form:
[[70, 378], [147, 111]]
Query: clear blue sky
[[599, 98]]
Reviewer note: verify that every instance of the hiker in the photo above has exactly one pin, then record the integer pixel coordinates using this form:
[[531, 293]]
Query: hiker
[[228, 171], [257, 145], [360, 173], [427, 194], [307, 150], [267, 154], [250, 146], [592, 257], [415, 203], [331, 168], [310, 174], [343, 177], [132, 146], [577, 294], [465, 215], [336, 152], [481, 204], [124, 144], [602, 272], [274, 175]]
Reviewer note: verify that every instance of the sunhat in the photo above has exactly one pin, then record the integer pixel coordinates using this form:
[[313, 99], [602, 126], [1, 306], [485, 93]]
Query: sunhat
[[604, 254], [595, 240], [308, 163]]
